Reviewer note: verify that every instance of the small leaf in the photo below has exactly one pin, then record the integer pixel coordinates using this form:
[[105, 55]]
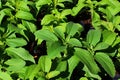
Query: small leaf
[[2, 14], [45, 63], [5, 76], [47, 19], [73, 28], [52, 74], [65, 1], [87, 59], [66, 12], [106, 63], [93, 37], [24, 15], [20, 53], [43, 2], [101, 46], [15, 64], [17, 42], [75, 42], [46, 35], [109, 37]]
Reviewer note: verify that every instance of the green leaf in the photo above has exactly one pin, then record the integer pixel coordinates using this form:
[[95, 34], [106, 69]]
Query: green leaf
[[72, 63], [46, 35], [87, 59], [5, 76], [20, 53], [52, 74], [78, 7], [15, 64], [73, 28], [93, 37], [65, 0], [17, 42], [2, 14], [29, 25], [106, 63], [54, 49], [62, 66], [109, 37], [101, 46], [117, 41], [43, 2], [45, 63], [66, 12], [47, 19], [75, 42], [22, 5], [24, 15]]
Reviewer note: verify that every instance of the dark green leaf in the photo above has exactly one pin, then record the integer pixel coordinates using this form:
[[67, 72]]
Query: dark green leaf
[[20, 53], [93, 37], [17, 42], [46, 35], [2, 14], [106, 63], [101, 46], [45, 63], [24, 15], [5, 76], [87, 59]]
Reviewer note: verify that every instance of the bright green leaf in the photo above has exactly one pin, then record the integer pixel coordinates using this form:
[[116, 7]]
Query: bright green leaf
[[54, 49], [16, 42], [109, 37], [46, 35], [5, 76], [15, 64], [73, 28], [20, 53], [62, 66], [2, 14], [87, 59], [93, 37], [75, 42], [43, 2], [24, 15], [101, 46], [45, 63], [106, 63], [47, 19], [52, 74], [65, 0]]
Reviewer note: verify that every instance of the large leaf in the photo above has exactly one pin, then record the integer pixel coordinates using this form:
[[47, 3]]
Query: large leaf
[[20, 53], [15, 64], [73, 28], [109, 37], [24, 15], [87, 59], [72, 63], [106, 63], [5, 76], [54, 49], [101, 46], [93, 37], [16, 42], [47, 19], [46, 35], [45, 63], [75, 42]]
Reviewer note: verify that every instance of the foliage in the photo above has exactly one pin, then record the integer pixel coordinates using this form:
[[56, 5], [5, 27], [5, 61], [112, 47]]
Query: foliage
[[25, 25]]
